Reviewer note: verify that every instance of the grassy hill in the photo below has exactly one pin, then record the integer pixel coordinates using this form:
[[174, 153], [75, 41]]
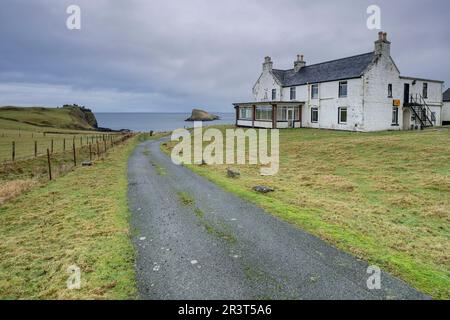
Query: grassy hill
[[70, 117]]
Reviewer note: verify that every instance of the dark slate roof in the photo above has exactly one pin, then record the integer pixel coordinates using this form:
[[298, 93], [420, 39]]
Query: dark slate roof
[[447, 95], [347, 68]]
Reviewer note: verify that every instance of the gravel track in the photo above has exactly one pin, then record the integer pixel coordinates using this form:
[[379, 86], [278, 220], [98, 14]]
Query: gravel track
[[196, 241]]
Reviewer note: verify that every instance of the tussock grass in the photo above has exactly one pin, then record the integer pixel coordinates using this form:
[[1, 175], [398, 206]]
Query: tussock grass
[[384, 197], [11, 189]]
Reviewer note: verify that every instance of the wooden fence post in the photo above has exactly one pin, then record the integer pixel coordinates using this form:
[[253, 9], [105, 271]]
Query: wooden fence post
[[51, 147], [35, 149], [49, 165], [90, 152], [64, 145], [104, 142], [98, 150], [74, 155], [13, 156]]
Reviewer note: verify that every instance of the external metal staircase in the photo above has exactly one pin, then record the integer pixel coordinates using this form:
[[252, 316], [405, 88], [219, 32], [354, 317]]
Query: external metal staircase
[[420, 110]]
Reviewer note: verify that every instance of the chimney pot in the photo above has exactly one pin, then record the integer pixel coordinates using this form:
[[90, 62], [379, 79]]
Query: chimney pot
[[300, 63], [268, 64], [382, 45]]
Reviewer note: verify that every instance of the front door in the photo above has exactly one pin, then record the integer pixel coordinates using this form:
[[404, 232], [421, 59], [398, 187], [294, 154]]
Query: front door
[[406, 94], [290, 118]]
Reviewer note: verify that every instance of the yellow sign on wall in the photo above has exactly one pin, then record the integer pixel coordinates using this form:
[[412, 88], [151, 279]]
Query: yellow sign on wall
[[397, 103]]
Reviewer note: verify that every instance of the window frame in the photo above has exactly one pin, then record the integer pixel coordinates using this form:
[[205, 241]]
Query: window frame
[[390, 91], [246, 109], [425, 90], [274, 94], [264, 109], [341, 85], [282, 114], [314, 110], [293, 93], [395, 111], [316, 85], [340, 109]]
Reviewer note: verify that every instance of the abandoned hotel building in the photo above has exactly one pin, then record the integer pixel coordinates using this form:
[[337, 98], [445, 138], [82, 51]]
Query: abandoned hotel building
[[360, 93]]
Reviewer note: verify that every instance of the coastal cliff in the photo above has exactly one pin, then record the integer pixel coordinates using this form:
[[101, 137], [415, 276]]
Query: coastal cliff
[[67, 117]]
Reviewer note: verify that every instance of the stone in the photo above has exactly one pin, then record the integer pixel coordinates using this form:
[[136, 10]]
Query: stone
[[201, 115], [233, 174], [263, 189], [86, 163]]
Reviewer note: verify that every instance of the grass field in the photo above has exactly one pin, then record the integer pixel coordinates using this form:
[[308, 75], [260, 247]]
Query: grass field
[[79, 219], [384, 197], [24, 137], [55, 129]]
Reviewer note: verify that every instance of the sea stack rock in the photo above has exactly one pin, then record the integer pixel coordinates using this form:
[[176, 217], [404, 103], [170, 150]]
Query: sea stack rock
[[201, 115]]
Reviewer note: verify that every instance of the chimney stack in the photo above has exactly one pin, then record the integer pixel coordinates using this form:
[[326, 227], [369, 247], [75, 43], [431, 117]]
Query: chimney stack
[[382, 45], [299, 63], [268, 64]]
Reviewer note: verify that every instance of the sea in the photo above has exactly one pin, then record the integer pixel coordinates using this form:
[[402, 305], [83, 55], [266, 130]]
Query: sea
[[145, 122]]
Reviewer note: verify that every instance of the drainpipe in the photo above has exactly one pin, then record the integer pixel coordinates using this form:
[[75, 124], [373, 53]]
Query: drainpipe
[[363, 101], [319, 96], [309, 99]]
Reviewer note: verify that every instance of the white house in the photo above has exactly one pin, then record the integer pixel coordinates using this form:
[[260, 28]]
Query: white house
[[360, 93], [446, 108]]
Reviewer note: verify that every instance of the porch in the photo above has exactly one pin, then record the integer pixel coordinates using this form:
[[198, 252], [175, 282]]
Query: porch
[[269, 115]]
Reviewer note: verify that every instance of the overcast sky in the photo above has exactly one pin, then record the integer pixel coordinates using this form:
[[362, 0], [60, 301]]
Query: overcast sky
[[169, 56]]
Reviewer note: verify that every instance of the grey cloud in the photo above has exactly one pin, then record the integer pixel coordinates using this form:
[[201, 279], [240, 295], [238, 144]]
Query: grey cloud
[[172, 55]]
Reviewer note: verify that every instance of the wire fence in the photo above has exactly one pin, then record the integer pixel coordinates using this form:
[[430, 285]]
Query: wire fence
[[52, 165], [94, 150], [24, 146]]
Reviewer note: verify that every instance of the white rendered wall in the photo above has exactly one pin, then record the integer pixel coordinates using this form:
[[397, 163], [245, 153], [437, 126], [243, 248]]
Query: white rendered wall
[[446, 112], [262, 90], [377, 105]]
